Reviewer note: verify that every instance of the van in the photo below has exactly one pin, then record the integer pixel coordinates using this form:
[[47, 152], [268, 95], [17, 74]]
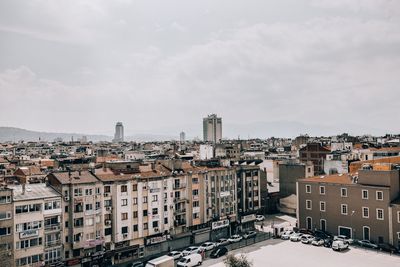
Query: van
[[163, 261], [190, 260]]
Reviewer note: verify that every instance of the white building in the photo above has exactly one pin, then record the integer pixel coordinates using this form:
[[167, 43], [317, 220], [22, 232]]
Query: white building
[[206, 152], [212, 129]]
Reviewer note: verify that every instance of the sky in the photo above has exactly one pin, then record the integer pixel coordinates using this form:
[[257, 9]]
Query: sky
[[266, 67]]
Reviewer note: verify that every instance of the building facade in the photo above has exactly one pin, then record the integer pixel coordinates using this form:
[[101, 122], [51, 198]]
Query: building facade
[[212, 129]]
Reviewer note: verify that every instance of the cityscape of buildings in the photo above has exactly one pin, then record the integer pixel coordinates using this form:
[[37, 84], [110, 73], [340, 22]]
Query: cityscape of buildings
[[79, 203]]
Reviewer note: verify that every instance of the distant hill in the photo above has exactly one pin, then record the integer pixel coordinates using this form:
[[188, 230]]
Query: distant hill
[[17, 134]]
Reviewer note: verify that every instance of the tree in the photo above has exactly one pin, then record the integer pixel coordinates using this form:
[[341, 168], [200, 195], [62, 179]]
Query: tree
[[240, 261]]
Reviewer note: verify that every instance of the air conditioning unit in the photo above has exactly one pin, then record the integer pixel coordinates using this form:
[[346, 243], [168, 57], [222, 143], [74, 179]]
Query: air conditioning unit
[[109, 208], [156, 229], [66, 198], [108, 222], [125, 235], [106, 194]]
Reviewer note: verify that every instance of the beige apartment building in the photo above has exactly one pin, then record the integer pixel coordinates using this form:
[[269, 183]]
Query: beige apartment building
[[37, 228], [82, 202], [361, 205], [6, 227]]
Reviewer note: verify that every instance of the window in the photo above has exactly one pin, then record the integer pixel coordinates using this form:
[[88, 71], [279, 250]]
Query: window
[[124, 216], [107, 189], [379, 195], [88, 192], [134, 187], [78, 192], [365, 194], [379, 214], [165, 220], [135, 227], [124, 230], [398, 216], [5, 199], [365, 212], [322, 206], [28, 208], [308, 204], [322, 190], [52, 205], [5, 231], [144, 213], [145, 226], [196, 204], [165, 208], [5, 215], [196, 215], [135, 201], [155, 198], [89, 207], [28, 226], [195, 192], [98, 205], [124, 188], [135, 214], [89, 221], [155, 224], [344, 209], [108, 231], [308, 188], [124, 202], [144, 199], [155, 211], [98, 191], [343, 192]]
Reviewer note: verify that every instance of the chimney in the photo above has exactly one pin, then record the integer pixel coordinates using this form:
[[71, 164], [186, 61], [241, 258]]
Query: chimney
[[23, 188]]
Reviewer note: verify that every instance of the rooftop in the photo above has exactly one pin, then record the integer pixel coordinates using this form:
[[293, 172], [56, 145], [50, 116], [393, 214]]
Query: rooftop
[[33, 191], [74, 177], [334, 179]]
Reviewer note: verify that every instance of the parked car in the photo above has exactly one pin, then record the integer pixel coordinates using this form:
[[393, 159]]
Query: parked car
[[367, 244], [222, 242], [260, 218], [328, 242], [317, 241], [208, 246], [286, 235], [191, 250], [322, 234], [175, 254], [305, 231], [163, 261], [343, 238], [388, 248], [218, 252], [307, 239], [235, 238], [249, 234], [340, 245], [190, 260], [136, 264], [296, 237]]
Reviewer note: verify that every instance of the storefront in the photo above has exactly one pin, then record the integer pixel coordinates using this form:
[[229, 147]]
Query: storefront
[[247, 222], [123, 252], [219, 229], [156, 243]]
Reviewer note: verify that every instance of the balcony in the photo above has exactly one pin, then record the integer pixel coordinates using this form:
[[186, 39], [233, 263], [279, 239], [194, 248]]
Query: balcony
[[179, 199], [52, 227], [179, 186], [179, 222], [52, 243], [180, 211]]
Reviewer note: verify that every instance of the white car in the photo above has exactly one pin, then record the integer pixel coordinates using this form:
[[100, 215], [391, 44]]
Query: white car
[[222, 242], [340, 245], [175, 254], [317, 241], [235, 238], [287, 234], [307, 239], [343, 238], [208, 246], [296, 237], [260, 218], [190, 260], [191, 250]]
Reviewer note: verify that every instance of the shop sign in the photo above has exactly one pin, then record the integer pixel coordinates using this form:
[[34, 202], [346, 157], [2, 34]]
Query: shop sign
[[220, 224], [155, 240], [29, 233]]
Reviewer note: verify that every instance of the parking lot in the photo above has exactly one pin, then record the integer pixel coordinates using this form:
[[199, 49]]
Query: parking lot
[[275, 252]]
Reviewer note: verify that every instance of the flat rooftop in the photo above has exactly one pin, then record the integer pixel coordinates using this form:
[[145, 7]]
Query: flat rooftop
[[33, 191]]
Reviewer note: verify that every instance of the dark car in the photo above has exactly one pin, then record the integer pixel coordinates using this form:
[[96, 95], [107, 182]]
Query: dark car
[[218, 252], [305, 231], [328, 243], [136, 264], [322, 234], [367, 244], [388, 248]]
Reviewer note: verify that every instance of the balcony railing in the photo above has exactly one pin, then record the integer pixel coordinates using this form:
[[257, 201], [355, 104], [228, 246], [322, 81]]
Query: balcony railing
[[179, 211], [179, 186], [53, 243], [52, 227]]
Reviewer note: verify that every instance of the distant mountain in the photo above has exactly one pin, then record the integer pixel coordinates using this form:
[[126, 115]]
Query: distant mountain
[[17, 134]]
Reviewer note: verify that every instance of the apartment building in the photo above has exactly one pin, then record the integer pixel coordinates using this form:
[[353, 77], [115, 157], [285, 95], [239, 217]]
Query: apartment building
[[248, 192], [37, 228], [316, 153], [82, 202], [6, 227], [361, 205]]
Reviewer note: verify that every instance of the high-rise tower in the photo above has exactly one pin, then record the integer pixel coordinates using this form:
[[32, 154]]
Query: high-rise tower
[[119, 133], [212, 128]]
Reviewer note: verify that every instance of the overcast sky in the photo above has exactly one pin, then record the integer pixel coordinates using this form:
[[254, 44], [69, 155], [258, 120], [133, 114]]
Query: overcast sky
[[160, 66]]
